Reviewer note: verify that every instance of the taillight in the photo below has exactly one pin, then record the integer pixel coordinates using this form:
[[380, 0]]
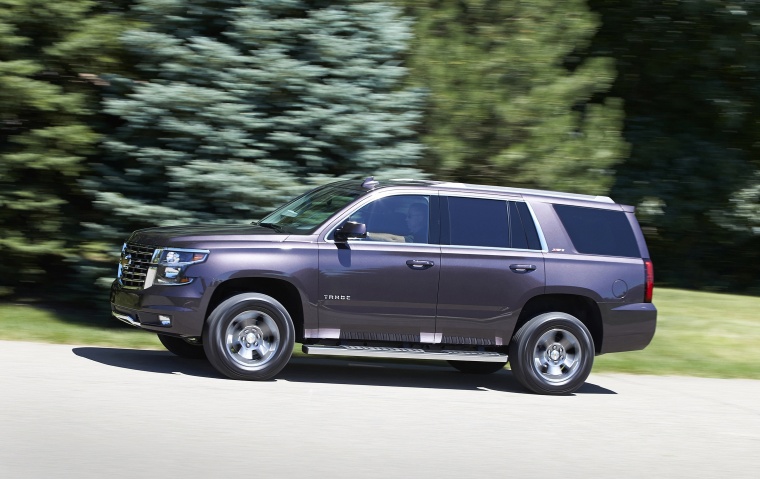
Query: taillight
[[649, 281]]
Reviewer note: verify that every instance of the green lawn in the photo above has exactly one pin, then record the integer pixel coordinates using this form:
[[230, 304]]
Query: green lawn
[[698, 334], [31, 323]]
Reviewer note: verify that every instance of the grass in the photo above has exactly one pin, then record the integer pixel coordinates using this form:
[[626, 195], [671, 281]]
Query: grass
[[698, 334], [37, 324]]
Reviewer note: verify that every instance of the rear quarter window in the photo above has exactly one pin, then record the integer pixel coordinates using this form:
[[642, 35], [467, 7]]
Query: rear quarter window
[[601, 232]]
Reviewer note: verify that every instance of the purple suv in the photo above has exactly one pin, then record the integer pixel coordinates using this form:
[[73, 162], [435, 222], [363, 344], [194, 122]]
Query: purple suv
[[473, 275]]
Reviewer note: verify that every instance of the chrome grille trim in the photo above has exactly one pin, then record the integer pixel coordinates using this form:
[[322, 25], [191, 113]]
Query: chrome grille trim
[[126, 318], [135, 261]]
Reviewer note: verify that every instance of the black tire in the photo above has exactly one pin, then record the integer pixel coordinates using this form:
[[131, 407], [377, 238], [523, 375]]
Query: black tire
[[477, 367], [552, 354], [182, 348], [249, 336]]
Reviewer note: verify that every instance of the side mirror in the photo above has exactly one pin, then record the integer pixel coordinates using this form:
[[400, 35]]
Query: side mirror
[[350, 229]]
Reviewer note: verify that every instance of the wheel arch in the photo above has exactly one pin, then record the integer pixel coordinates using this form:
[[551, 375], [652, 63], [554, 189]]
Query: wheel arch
[[582, 307], [283, 291]]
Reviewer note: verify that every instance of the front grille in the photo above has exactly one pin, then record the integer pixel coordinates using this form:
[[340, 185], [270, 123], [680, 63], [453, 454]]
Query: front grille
[[134, 263]]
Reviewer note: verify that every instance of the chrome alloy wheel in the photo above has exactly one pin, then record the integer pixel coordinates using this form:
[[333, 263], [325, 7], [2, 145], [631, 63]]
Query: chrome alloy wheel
[[557, 356], [252, 339]]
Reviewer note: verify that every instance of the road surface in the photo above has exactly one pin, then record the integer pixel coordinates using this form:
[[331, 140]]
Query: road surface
[[94, 412]]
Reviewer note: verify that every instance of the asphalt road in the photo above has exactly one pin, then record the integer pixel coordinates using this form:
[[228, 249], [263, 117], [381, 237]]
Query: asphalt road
[[92, 412]]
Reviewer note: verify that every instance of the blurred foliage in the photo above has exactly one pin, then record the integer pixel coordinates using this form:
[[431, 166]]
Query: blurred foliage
[[48, 105], [515, 100], [689, 74], [237, 106], [122, 114]]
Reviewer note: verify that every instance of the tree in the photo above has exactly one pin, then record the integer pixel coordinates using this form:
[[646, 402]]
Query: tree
[[46, 104], [514, 97], [690, 78], [239, 105]]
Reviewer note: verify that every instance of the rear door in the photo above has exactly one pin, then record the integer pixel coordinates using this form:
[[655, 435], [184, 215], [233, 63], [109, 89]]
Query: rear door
[[491, 264]]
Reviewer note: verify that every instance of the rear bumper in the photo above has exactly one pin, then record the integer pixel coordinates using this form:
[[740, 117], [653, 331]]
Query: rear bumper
[[149, 309], [628, 328]]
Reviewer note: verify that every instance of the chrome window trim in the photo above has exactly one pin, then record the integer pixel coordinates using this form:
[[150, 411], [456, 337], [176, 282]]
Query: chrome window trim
[[541, 237], [492, 248]]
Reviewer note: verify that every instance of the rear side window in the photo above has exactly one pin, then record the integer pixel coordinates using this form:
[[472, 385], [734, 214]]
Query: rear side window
[[487, 223], [602, 232], [478, 222]]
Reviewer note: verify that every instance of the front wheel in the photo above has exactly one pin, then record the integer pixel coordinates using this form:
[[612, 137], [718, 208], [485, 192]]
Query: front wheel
[[249, 336], [552, 354]]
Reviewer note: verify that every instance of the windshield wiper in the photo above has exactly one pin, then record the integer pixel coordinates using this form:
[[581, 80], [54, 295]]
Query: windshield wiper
[[273, 226]]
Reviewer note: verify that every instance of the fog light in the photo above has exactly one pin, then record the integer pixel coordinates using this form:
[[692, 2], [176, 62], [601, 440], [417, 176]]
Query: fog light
[[165, 320]]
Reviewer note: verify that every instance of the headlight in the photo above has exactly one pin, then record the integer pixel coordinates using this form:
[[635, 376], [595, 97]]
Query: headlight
[[183, 256], [172, 265]]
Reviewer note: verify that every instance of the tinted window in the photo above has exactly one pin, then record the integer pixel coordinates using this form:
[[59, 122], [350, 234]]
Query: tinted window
[[489, 223], [399, 219], [519, 238], [478, 222], [601, 232], [527, 224]]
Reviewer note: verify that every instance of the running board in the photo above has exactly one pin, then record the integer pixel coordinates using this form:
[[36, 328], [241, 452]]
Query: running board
[[406, 353]]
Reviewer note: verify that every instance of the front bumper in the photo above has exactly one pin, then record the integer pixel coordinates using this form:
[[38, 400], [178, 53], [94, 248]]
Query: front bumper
[[150, 308]]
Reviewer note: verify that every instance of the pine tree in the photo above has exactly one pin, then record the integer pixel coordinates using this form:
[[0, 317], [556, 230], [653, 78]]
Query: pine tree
[[240, 105], [514, 98], [46, 103]]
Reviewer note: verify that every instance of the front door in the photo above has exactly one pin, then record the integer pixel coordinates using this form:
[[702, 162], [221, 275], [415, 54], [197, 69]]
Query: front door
[[383, 287]]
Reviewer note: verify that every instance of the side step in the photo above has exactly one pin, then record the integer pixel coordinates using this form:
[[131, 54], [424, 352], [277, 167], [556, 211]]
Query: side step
[[406, 353]]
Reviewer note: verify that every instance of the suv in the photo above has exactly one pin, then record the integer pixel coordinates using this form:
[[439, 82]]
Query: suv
[[473, 275]]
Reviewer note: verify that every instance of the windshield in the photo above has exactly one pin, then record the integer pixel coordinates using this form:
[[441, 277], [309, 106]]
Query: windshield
[[304, 214]]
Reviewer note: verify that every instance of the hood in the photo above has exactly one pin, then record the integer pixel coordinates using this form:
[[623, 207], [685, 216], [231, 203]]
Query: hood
[[195, 236]]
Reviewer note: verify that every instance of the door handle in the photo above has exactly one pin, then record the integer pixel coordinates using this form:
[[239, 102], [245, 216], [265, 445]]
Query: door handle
[[419, 264], [522, 268]]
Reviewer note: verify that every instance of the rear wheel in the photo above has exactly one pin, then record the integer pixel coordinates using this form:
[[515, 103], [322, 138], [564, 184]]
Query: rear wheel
[[182, 348], [552, 354], [249, 336], [477, 367]]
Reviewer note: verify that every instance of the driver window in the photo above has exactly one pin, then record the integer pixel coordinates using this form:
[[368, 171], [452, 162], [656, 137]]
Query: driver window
[[397, 219]]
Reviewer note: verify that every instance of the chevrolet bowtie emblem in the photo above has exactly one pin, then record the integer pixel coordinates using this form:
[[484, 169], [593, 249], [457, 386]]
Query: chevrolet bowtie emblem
[[126, 261]]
